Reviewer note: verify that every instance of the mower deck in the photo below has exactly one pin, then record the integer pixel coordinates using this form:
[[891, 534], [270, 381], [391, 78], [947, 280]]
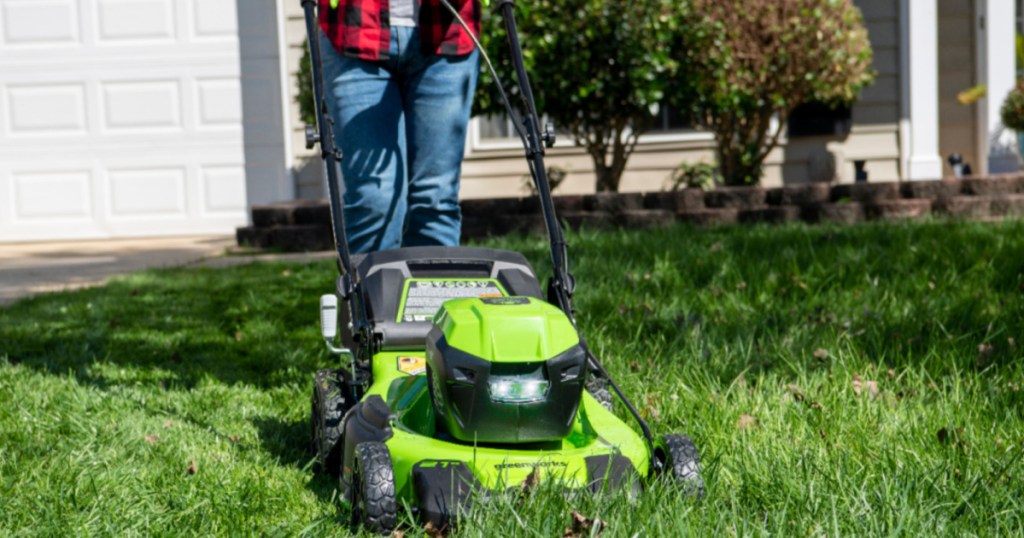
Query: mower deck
[[573, 460]]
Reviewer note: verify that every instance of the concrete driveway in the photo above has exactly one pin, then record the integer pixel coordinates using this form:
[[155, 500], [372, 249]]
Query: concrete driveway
[[30, 268]]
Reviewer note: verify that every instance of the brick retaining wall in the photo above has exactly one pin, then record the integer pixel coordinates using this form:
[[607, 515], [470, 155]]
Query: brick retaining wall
[[305, 225]]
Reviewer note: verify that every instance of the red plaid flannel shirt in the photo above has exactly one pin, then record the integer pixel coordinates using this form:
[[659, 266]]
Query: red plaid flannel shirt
[[361, 28]]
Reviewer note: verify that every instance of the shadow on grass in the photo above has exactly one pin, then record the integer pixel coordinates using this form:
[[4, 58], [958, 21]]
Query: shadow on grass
[[254, 325], [288, 442]]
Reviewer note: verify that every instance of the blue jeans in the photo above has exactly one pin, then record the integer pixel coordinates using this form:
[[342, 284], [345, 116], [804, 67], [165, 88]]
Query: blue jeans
[[401, 126]]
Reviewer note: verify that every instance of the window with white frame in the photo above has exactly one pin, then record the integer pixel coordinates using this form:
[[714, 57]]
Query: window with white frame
[[497, 132]]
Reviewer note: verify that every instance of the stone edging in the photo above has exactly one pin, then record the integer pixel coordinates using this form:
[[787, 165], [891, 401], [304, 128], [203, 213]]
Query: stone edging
[[305, 225]]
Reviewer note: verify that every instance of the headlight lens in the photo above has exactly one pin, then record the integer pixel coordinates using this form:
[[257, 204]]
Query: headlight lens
[[518, 389]]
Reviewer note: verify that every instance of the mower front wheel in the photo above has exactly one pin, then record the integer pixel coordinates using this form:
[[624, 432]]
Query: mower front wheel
[[373, 491], [681, 462]]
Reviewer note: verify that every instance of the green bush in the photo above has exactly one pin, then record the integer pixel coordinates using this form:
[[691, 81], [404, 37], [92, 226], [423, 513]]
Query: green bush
[[700, 175], [597, 69], [1012, 111], [752, 61], [304, 85]]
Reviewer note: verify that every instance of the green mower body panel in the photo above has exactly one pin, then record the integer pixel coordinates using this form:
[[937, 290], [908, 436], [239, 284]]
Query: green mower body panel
[[506, 329], [414, 441]]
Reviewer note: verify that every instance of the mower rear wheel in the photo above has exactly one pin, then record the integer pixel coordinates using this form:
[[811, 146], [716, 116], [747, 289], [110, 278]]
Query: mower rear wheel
[[681, 462], [329, 403], [373, 492]]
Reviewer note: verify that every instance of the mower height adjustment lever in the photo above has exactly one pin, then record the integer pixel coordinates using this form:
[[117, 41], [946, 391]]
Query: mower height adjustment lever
[[549, 136], [312, 136]]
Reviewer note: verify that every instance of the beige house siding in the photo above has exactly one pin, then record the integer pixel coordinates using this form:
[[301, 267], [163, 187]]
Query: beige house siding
[[496, 169], [957, 56]]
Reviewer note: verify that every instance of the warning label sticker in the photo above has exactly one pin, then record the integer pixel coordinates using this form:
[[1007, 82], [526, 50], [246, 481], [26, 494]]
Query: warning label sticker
[[412, 365], [424, 297], [505, 300]]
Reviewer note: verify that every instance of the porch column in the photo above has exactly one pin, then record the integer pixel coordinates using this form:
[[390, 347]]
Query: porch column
[[997, 68], [920, 99], [264, 102]]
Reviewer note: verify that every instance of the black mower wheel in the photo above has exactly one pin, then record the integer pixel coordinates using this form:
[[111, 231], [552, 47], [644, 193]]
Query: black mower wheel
[[598, 388], [329, 404], [373, 488], [681, 462]]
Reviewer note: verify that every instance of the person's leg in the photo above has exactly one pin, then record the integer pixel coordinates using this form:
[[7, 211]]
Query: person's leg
[[437, 92], [365, 101]]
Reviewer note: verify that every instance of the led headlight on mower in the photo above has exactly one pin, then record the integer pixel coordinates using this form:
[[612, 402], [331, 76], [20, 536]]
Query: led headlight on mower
[[519, 388]]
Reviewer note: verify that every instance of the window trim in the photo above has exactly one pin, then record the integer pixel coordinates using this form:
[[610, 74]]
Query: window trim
[[477, 144]]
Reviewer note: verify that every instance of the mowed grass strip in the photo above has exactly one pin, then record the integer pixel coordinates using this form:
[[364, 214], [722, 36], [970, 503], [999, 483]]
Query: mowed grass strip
[[838, 381]]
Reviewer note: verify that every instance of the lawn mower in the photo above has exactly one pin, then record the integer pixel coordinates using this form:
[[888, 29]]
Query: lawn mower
[[465, 378]]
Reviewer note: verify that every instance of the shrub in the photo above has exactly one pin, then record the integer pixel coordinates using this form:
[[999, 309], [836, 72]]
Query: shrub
[[304, 85], [700, 175], [1012, 111], [752, 61], [597, 70]]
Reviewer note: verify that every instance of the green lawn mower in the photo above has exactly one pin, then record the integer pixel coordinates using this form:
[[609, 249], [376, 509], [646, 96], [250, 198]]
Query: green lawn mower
[[466, 378]]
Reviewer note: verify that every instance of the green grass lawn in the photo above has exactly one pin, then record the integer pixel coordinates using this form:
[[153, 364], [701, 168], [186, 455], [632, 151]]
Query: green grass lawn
[[838, 381]]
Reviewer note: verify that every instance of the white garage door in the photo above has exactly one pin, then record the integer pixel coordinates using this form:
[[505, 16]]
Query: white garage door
[[119, 118]]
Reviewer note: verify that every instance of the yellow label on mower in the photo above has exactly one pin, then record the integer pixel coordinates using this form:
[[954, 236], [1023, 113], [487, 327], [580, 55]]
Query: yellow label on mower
[[412, 365]]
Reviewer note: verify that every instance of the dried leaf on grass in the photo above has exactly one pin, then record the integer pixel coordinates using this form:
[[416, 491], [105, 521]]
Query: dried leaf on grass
[[152, 438], [651, 407], [169, 423], [985, 352], [583, 526], [746, 422], [435, 532], [864, 386], [530, 483]]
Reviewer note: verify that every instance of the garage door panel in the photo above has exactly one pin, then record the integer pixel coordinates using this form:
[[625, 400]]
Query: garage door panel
[[62, 196], [45, 109], [141, 105], [147, 193], [138, 21], [218, 103], [223, 189], [214, 19], [20, 27]]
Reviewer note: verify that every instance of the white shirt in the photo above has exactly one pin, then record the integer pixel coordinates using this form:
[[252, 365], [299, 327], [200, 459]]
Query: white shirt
[[405, 12]]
